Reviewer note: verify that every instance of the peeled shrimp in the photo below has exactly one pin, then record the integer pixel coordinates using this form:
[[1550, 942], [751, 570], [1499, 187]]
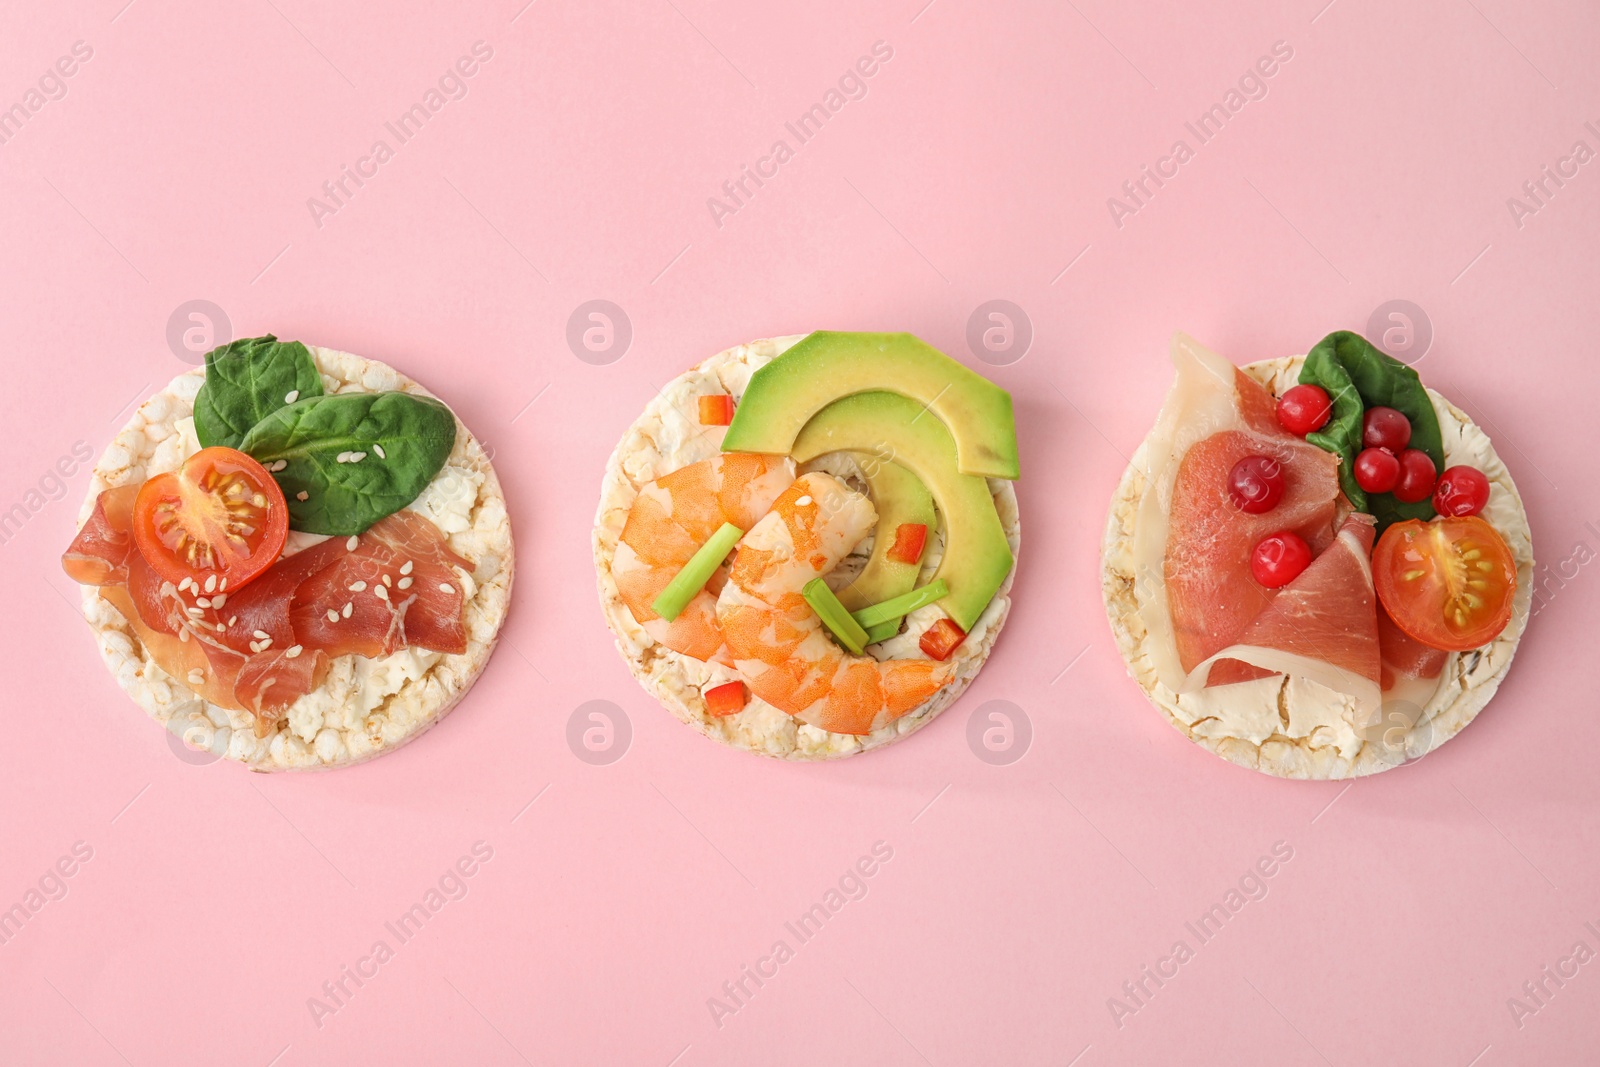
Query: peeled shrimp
[[778, 643], [669, 521]]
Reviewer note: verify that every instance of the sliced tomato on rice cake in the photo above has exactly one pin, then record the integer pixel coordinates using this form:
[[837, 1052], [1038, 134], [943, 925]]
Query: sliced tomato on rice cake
[[262, 646]]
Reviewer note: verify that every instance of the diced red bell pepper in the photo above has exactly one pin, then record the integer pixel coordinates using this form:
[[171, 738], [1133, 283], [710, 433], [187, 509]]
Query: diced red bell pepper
[[909, 540], [726, 699], [942, 638], [716, 410]]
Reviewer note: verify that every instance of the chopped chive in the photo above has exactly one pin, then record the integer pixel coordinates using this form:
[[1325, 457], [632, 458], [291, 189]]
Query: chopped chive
[[696, 573], [834, 615], [883, 631], [896, 608]]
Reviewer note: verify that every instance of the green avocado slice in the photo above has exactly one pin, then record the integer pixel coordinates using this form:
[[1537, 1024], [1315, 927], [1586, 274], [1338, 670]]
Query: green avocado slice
[[976, 555], [827, 366], [899, 497]]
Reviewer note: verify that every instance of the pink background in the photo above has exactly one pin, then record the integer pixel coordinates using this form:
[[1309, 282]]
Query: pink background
[[1019, 898]]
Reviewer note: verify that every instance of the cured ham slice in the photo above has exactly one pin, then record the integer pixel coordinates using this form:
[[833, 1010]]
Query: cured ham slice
[[1404, 657], [98, 555], [263, 646], [1322, 626], [1192, 546], [397, 588], [1410, 675]]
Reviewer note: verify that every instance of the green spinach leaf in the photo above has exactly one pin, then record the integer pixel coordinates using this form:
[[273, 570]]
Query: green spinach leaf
[[1341, 435], [246, 381], [1342, 361], [356, 457]]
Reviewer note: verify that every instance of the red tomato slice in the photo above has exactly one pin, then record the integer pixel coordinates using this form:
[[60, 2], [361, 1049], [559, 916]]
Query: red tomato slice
[[726, 699], [1447, 583], [219, 515], [941, 639], [909, 539]]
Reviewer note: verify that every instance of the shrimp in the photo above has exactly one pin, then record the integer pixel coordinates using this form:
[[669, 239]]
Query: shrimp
[[777, 642], [669, 521]]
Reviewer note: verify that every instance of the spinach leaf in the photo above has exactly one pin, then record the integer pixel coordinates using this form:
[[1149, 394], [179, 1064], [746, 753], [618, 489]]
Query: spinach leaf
[[1341, 435], [356, 456], [1347, 359], [246, 381]]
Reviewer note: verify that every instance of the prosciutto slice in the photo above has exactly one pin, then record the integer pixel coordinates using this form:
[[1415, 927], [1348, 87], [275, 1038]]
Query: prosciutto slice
[[398, 588], [1322, 626], [98, 555], [263, 646], [1192, 546], [1405, 658]]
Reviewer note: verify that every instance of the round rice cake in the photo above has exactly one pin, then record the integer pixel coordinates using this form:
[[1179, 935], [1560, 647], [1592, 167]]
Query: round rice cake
[[1292, 727], [668, 436], [365, 707]]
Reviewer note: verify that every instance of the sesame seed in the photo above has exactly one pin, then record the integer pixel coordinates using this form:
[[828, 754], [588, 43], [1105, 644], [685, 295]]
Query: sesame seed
[[233, 620], [387, 580], [302, 495], [357, 457], [348, 607], [379, 450], [195, 612], [405, 583], [291, 652], [222, 586], [342, 457], [281, 464], [201, 602], [356, 587], [261, 634], [446, 587], [197, 677], [183, 585], [405, 568], [183, 634], [266, 643], [255, 646], [350, 545], [333, 616], [260, 501], [381, 592], [802, 502], [219, 600], [211, 583], [291, 396]]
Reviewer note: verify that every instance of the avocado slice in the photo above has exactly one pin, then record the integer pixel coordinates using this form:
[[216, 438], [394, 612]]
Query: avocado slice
[[826, 366], [899, 497], [976, 556]]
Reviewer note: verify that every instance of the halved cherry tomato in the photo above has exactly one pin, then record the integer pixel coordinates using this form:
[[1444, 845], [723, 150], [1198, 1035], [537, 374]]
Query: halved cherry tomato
[[716, 410], [219, 515], [941, 639], [726, 699], [1448, 583], [909, 539]]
